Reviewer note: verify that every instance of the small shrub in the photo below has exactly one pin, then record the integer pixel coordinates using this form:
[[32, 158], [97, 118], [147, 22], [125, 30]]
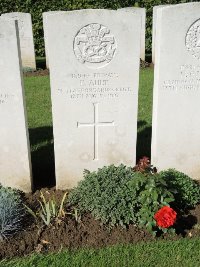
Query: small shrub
[[106, 195], [152, 195], [12, 212], [186, 190], [120, 196]]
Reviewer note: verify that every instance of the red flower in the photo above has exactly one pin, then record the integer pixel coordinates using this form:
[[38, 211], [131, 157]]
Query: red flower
[[165, 217]]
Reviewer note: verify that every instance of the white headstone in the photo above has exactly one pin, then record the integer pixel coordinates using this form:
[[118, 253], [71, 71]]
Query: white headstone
[[45, 17], [141, 12], [15, 166], [26, 38], [154, 23], [94, 66], [176, 108]]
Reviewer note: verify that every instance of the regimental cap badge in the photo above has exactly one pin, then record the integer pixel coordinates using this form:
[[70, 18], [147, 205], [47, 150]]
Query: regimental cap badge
[[94, 45], [192, 39]]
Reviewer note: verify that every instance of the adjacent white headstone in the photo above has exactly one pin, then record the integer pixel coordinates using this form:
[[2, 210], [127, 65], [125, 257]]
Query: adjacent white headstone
[[45, 17], [154, 23], [176, 108], [141, 12], [15, 166], [26, 38], [94, 66]]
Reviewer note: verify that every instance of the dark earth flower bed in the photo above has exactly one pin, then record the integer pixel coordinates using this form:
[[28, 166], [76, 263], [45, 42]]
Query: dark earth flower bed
[[85, 233]]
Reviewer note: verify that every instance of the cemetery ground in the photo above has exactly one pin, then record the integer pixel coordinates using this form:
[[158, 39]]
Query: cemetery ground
[[180, 253], [84, 232]]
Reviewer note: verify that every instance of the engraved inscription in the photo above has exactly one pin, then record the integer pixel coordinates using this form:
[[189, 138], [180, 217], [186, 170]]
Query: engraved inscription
[[94, 45], [188, 80], [95, 93], [95, 124], [4, 97], [95, 86], [193, 39]]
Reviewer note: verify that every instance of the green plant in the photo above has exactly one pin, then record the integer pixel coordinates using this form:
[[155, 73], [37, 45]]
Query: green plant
[[75, 213], [106, 195], [120, 196], [186, 191], [27, 69], [12, 212], [152, 194], [49, 210]]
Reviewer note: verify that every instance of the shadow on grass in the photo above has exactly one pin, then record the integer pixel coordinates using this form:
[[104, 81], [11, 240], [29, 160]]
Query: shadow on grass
[[43, 163], [41, 63], [148, 57], [143, 140]]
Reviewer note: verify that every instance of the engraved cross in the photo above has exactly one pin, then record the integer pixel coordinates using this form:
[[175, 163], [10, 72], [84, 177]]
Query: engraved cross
[[95, 126]]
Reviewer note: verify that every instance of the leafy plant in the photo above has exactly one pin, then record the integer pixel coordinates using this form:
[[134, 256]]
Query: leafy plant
[[106, 195], [12, 212], [120, 196], [49, 210], [75, 213], [186, 190], [152, 194]]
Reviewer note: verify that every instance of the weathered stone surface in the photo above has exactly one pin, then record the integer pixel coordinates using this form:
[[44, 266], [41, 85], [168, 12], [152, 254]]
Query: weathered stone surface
[[155, 8], [176, 109], [15, 166], [94, 66], [141, 12], [45, 17], [26, 38]]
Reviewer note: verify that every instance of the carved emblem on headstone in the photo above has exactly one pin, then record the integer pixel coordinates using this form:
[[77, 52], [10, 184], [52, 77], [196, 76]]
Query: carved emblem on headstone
[[94, 45], [193, 39]]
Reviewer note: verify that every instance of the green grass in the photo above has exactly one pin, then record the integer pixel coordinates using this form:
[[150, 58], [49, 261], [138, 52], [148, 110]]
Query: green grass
[[145, 113], [170, 253], [40, 62], [38, 101], [183, 253]]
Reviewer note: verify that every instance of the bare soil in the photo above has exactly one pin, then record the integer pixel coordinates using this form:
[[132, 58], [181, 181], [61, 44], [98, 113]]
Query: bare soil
[[85, 233], [40, 72]]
